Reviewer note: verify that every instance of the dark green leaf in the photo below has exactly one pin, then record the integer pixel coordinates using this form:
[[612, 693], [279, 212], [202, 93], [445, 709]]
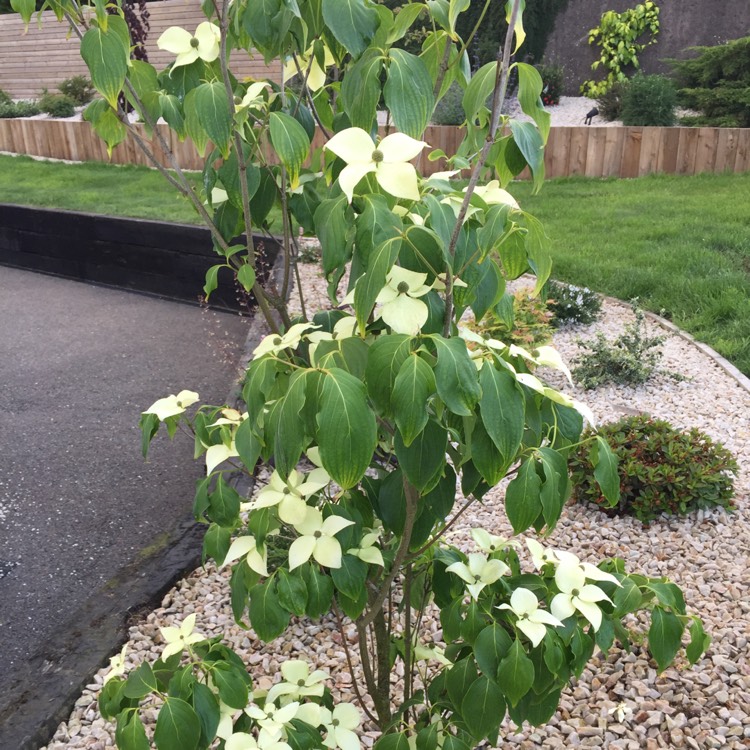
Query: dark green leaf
[[224, 504], [479, 89], [216, 543], [319, 592], [247, 444], [664, 637], [483, 708], [292, 592], [456, 375], [516, 674], [207, 708], [334, 233], [393, 742], [490, 648], [177, 727], [502, 409], [460, 678], [130, 733], [414, 385], [349, 579], [605, 470], [352, 22], [290, 142], [210, 105], [522, 498], [385, 359], [423, 460], [268, 618], [231, 685], [408, 92], [360, 90], [627, 598], [699, 641], [140, 682]]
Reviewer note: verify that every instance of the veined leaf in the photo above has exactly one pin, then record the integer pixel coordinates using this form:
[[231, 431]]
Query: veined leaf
[[456, 375], [290, 142], [502, 409], [664, 637], [360, 91], [106, 56], [408, 92], [605, 470], [414, 385], [177, 727], [483, 708], [522, 498], [516, 673], [352, 22], [212, 112]]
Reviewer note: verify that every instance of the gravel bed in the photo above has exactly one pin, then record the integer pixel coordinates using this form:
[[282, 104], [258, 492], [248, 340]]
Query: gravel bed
[[706, 553]]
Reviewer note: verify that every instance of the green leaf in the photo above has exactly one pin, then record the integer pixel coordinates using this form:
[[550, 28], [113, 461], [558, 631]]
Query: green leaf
[[106, 54], [26, 8], [408, 92], [502, 409], [229, 174], [130, 733], [352, 22], [486, 457], [292, 592], [347, 433], [171, 111], [206, 707], [480, 87], [522, 498], [106, 123], [513, 256], [231, 685], [247, 444], [456, 375], [246, 277], [369, 285], [516, 673], [290, 436], [529, 141], [404, 20], [455, 8], [530, 86], [140, 682], [391, 502], [537, 251], [494, 228], [668, 595], [210, 105], [177, 727], [216, 543], [699, 641], [360, 90], [393, 741], [224, 504], [664, 637], [628, 598], [268, 618], [334, 233], [319, 592], [414, 385], [490, 648], [483, 707], [556, 487], [605, 470], [212, 279], [290, 142], [423, 460], [460, 678], [349, 579], [385, 359]]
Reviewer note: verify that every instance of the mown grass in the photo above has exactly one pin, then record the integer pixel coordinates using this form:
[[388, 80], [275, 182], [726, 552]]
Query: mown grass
[[679, 244]]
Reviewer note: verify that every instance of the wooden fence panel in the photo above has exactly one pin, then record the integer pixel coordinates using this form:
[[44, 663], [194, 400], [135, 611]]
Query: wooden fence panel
[[589, 151]]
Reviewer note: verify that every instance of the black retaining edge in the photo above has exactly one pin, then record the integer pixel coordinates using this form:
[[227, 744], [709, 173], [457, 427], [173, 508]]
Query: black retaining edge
[[151, 257]]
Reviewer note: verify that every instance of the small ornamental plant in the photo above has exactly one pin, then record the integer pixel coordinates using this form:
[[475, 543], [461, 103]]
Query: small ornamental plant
[[572, 305], [384, 418], [661, 469]]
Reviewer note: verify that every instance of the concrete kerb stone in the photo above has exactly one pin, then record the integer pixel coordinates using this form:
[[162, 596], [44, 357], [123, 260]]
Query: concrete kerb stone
[[35, 704]]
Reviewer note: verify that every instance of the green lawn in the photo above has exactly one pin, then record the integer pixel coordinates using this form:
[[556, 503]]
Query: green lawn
[[679, 244]]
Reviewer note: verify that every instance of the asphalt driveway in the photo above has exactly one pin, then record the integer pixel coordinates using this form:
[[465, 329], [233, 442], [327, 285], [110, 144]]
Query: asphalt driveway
[[77, 501]]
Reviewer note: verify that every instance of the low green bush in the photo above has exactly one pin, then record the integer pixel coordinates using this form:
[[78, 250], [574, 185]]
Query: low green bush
[[79, 89], [57, 105], [716, 82], [19, 109], [610, 102], [572, 305], [552, 83], [449, 110], [661, 469], [649, 100], [519, 319], [631, 359], [5, 97]]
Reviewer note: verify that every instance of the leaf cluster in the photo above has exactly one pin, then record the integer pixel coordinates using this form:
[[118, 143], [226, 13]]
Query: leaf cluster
[[520, 318], [572, 305], [649, 100], [78, 88], [19, 109], [661, 469]]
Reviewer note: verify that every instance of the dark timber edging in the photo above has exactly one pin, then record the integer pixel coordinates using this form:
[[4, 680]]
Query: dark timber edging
[[38, 702], [152, 257]]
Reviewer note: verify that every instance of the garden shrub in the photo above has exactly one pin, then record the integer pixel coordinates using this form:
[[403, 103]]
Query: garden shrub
[[5, 97], [79, 89], [57, 105], [572, 305], [610, 102], [649, 100], [661, 469], [717, 83], [521, 319], [631, 359], [19, 109], [552, 80], [449, 110]]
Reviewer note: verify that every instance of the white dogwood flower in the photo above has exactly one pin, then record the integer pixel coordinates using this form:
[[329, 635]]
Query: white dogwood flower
[[204, 44], [290, 496], [271, 718], [172, 405], [298, 681], [568, 559], [318, 540], [341, 725], [489, 542], [540, 556], [246, 546], [179, 638], [308, 64], [217, 454], [274, 343], [401, 307], [532, 621], [389, 160], [252, 95], [576, 595], [116, 665], [367, 551], [226, 721], [493, 194], [245, 741], [480, 572]]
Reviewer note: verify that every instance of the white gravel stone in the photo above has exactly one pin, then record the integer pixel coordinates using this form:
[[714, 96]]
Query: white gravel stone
[[706, 553]]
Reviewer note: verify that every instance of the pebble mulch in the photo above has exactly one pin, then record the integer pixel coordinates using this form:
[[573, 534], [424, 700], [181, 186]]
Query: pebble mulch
[[706, 553]]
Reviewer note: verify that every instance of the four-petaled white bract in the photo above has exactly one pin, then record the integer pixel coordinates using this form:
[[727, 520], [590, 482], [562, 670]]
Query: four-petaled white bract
[[367, 551], [274, 343], [489, 542], [480, 572], [172, 405], [308, 65], [253, 94], [340, 725], [271, 719], [204, 44], [179, 638], [401, 307], [318, 540], [246, 546], [531, 621], [217, 454], [245, 741], [389, 160], [576, 595], [290, 496], [298, 681], [493, 194], [116, 665]]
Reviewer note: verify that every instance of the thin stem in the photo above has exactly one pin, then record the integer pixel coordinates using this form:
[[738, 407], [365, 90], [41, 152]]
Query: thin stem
[[407, 636], [498, 99], [383, 657]]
